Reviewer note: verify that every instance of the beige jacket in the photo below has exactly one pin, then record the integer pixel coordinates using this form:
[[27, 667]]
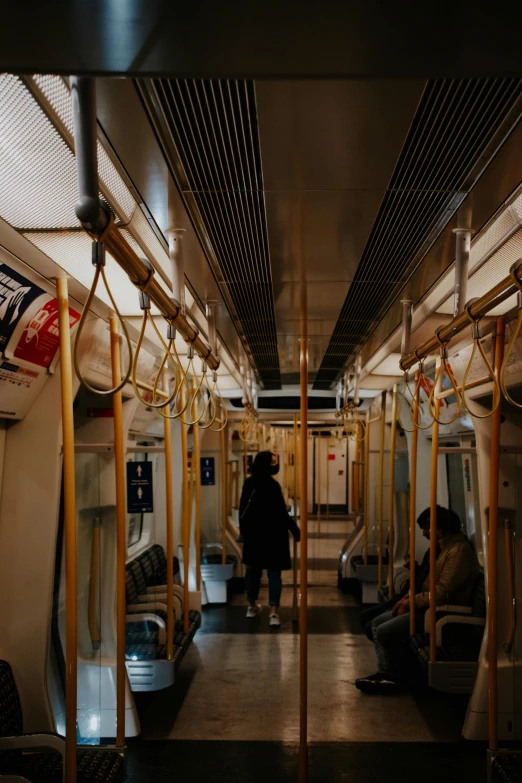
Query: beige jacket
[[455, 565]]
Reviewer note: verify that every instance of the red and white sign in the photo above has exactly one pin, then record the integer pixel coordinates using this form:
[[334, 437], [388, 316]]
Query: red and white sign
[[40, 339]]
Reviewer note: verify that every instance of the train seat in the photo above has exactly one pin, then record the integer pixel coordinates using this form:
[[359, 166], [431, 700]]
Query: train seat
[[145, 639], [459, 633], [138, 599], [506, 768], [39, 757]]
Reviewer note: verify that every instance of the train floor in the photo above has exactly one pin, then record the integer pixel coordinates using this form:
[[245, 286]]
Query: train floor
[[233, 714]]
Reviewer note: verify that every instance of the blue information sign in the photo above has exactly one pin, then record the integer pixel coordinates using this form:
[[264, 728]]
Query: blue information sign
[[208, 475], [139, 487]]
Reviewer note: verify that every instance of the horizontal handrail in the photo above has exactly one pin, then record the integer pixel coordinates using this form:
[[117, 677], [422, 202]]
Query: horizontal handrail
[[479, 308]]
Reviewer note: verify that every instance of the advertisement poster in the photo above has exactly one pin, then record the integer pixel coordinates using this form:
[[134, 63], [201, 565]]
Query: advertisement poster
[[40, 339], [19, 387], [16, 294]]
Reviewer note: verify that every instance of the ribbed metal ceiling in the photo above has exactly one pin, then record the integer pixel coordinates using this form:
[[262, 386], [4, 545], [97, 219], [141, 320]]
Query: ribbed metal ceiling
[[440, 160], [214, 153]]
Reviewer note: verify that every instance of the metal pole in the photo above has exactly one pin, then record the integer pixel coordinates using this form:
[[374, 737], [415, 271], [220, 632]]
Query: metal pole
[[319, 482], [223, 497], [413, 504], [433, 524], [391, 513], [478, 308], [121, 535], [366, 488], [462, 251], [303, 578], [230, 479], [169, 519], [381, 488], [236, 485], [493, 547], [197, 533], [295, 608], [407, 312], [356, 488], [327, 478], [177, 268], [185, 521], [69, 493]]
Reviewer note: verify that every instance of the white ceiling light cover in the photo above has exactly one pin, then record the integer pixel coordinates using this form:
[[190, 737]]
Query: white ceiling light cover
[[38, 186]]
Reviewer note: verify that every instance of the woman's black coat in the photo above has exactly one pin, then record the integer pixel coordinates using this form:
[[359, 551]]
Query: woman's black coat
[[264, 524]]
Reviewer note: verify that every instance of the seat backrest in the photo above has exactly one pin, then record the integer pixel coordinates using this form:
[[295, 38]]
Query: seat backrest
[[139, 577], [131, 590], [147, 566], [160, 563], [10, 708], [478, 599]]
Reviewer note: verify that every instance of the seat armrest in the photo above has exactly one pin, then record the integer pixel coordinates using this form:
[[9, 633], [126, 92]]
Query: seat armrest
[[150, 618], [445, 609], [147, 606], [38, 741], [152, 589], [455, 619], [155, 597], [13, 779]]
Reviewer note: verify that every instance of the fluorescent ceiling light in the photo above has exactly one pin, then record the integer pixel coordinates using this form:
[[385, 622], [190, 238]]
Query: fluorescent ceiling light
[[72, 251], [58, 95]]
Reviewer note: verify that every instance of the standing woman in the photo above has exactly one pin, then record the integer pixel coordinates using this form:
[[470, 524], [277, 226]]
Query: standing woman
[[264, 524]]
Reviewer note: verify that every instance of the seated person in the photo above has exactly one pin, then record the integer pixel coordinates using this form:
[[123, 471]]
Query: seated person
[[454, 571], [420, 574]]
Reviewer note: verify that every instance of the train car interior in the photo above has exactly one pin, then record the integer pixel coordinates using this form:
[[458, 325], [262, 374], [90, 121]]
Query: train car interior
[[232, 229]]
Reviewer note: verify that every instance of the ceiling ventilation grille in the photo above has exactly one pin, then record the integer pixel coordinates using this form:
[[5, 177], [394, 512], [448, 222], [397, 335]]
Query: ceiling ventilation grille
[[441, 159], [209, 133]]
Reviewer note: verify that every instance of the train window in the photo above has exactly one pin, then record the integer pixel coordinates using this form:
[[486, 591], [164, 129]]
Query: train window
[[135, 529]]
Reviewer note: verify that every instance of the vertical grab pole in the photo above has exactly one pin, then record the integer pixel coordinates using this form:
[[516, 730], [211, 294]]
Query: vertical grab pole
[[230, 479], [121, 542], [245, 460], [319, 481], [294, 561], [366, 488], [223, 497], [328, 478], [356, 488], [169, 530], [433, 522], [391, 513], [236, 484], [303, 577], [493, 547], [413, 504], [197, 532], [185, 523], [69, 491], [381, 488]]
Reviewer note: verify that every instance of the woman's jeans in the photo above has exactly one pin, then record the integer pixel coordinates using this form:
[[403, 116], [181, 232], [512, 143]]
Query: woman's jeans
[[253, 582]]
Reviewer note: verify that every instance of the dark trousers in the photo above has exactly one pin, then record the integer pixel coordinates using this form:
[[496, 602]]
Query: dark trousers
[[253, 582], [390, 637]]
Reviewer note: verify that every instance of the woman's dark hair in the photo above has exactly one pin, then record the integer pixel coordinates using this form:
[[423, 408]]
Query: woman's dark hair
[[447, 520], [262, 464]]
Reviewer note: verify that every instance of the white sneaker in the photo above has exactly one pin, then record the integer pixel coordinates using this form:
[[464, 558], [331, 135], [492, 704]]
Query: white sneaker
[[253, 611], [275, 620]]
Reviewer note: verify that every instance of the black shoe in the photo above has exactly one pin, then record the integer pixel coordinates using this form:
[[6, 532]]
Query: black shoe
[[389, 687], [361, 682]]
